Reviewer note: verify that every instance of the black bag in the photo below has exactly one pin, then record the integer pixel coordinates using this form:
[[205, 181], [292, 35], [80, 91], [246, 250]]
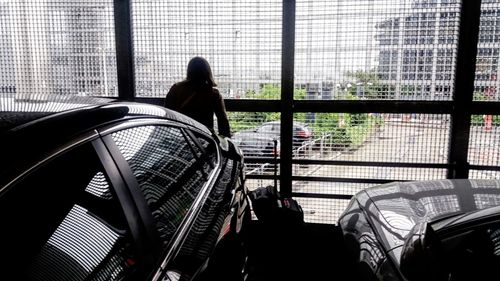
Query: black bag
[[292, 212], [270, 207], [265, 202]]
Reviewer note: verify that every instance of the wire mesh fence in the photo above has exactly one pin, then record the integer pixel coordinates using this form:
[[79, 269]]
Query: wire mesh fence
[[487, 84], [241, 41], [54, 53], [386, 49], [413, 138], [484, 143], [56, 50]]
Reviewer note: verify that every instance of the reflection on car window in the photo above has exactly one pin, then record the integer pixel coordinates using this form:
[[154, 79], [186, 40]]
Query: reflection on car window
[[169, 169], [81, 242], [198, 245], [486, 200], [73, 226], [495, 239]]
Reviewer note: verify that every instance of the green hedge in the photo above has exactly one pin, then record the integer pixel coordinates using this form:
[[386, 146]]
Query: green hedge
[[478, 120]]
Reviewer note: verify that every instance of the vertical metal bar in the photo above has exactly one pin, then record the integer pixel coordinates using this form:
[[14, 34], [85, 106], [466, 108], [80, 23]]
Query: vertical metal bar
[[470, 14], [124, 50], [287, 85]]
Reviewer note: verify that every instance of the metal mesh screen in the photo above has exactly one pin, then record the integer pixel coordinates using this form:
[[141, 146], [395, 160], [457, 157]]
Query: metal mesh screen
[[484, 174], [368, 173], [360, 138], [318, 210], [241, 41], [382, 49], [321, 187], [412, 138], [54, 51], [257, 134], [54, 54], [487, 84], [484, 143]]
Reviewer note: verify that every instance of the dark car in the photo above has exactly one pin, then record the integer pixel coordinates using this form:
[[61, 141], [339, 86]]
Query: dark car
[[301, 132], [425, 230], [257, 146], [259, 142], [120, 191]]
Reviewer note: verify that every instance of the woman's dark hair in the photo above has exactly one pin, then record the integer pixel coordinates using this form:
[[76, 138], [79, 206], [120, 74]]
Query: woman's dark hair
[[199, 72]]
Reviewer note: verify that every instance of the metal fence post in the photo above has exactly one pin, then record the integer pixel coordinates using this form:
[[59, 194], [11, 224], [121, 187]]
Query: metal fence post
[[124, 50], [287, 85], [470, 14]]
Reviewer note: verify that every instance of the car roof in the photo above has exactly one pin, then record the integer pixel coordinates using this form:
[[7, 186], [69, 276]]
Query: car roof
[[22, 145], [14, 112], [431, 200], [401, 205]]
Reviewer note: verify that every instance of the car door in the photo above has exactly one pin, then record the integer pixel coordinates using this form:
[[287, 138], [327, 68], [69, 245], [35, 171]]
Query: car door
[[63, 220], [170, 170]]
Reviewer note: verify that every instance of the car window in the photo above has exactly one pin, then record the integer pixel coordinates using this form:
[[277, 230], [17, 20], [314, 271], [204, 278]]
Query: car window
[[171, 169], [62, 222]]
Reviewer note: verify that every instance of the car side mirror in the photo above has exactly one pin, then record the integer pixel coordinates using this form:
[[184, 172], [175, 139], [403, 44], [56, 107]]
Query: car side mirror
[[231, 150], [421, 255]]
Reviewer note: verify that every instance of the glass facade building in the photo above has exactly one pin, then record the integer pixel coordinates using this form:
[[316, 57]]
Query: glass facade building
[[417, 54]]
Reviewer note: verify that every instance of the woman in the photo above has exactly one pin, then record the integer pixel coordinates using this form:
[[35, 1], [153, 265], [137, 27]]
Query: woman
[[197, 98]]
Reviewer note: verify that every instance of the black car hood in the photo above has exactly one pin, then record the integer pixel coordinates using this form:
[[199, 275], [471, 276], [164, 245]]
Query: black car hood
[[399, 206]]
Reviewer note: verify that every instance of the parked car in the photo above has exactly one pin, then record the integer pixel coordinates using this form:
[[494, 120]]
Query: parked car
[[254, 145], [120, 191], [425, 230], [301, 132], [259, 142]]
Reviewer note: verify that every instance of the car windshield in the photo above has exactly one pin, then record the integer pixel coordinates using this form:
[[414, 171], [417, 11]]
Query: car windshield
[[460, 220]]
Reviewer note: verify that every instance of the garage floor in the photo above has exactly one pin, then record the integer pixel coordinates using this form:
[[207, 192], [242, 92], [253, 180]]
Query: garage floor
[[311, 252]]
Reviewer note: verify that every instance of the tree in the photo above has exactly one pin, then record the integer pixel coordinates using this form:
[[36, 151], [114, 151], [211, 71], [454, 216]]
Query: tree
[[247, 120], [366, 84]]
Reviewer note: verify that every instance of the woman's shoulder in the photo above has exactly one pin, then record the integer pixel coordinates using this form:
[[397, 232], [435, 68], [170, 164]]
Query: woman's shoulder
[[181, 84], [179, 87], [216, 94]]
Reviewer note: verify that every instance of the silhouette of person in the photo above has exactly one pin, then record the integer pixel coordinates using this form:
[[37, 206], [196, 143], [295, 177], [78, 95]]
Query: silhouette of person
[[197, 97]]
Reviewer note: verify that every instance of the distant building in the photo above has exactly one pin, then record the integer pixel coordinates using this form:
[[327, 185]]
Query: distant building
[[7, 76], [417, 51], [51, 48], [54, 47]]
